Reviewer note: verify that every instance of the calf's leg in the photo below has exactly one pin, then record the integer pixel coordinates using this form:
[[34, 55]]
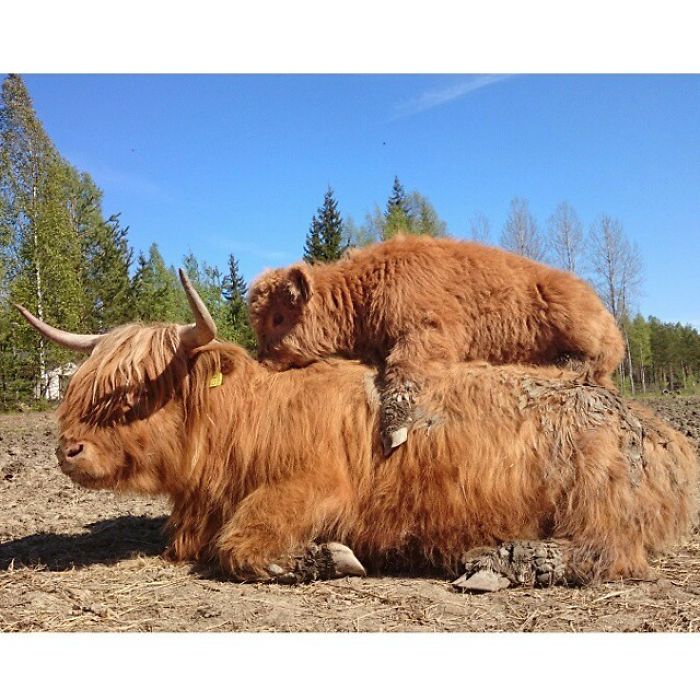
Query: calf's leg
[[409, 359]]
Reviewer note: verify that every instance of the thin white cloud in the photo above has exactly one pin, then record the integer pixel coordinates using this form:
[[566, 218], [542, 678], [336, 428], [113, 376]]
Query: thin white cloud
[[121, 181], [435, 98], [128, 182], [270, 256]]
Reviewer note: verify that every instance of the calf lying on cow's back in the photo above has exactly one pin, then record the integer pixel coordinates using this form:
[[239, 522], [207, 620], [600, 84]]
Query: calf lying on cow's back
[[265, 468], [407, 302]]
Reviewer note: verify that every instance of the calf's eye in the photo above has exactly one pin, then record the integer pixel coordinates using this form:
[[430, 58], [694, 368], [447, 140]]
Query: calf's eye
[[277, 320]]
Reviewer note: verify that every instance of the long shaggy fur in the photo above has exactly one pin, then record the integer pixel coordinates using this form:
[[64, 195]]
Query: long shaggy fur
[[412, 300], [265, 463]]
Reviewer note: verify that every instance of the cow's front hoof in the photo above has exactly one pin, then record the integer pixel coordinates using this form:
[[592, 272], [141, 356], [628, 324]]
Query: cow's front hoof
[[344, 560], [319, 562]]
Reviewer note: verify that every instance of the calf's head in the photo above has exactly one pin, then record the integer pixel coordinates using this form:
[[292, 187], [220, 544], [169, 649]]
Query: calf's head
[[122, 420], [279, 303]]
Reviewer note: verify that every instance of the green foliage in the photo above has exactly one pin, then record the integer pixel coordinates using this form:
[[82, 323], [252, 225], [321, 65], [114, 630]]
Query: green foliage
[[663, 355], [156, 291], [106, 257], [41, 247], [411, 214], [325, 241], [225, 297], [235, 291]]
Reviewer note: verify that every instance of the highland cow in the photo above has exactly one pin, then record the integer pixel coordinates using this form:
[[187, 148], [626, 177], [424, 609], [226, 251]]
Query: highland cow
[[280, 476], [412, 301]]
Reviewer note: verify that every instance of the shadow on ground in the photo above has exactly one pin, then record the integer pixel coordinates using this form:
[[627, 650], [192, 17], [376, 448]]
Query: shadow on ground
[[107, 542]]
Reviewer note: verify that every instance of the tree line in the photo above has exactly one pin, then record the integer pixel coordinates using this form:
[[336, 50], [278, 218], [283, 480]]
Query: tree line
[[72, 265], [659, 355]]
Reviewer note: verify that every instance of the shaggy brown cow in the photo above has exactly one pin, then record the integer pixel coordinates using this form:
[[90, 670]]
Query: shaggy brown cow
[[265, 468], [414, 300]]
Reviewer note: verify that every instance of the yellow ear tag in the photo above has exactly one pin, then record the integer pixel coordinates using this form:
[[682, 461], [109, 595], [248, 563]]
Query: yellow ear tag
[[216, 380]]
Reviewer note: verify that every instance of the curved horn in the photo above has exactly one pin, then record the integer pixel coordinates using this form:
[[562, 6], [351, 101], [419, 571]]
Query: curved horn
[[73, 341], [203, 330]]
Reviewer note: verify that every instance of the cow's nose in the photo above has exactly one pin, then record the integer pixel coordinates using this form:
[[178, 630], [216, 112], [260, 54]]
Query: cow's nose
[[72, 450]]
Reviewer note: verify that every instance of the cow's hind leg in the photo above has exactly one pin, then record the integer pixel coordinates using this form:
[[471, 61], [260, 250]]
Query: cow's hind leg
[[544, 563], [517, 563]]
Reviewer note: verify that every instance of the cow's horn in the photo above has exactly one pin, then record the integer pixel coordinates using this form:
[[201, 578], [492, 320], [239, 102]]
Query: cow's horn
[[203, 330], [73, 341]]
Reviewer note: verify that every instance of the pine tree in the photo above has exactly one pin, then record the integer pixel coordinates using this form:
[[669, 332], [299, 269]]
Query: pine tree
[[313, 247], [325, 241], [397, 200], [235, 292], [397, 216], [411, 214]]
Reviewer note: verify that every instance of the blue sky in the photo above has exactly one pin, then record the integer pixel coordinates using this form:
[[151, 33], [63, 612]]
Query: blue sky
[[219, 164]]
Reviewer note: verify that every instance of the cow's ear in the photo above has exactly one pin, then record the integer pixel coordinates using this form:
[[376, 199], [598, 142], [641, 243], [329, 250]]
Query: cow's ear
[[300, 285]]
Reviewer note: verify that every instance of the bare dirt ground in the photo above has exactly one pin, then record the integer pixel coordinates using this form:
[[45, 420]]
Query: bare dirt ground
[[76, 560]]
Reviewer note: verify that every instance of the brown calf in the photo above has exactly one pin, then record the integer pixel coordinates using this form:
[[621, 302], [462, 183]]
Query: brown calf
[[412, 301]]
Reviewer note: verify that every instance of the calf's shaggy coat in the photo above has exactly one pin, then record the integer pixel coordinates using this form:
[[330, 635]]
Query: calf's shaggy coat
[[266, 466], [410, 301]]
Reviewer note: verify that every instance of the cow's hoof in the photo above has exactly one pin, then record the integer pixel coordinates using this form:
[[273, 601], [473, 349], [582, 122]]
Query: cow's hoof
[[344, 560], [394, 439], [319, 562], [519, 563], [481, 582]]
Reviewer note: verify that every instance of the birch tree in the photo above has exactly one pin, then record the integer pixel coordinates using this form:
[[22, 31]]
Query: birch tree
[[479, 228], [565, 238], [616, 265], [42, 255], [520, 234]]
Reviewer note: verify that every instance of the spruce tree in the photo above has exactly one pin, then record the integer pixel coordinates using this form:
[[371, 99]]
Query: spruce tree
[[313, 248], [397, 216], [397, 200], [325, 241], [235, 292]]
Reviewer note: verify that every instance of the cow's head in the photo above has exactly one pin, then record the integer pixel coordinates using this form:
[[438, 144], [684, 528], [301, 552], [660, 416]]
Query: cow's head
[[121, 423], [279, 313]]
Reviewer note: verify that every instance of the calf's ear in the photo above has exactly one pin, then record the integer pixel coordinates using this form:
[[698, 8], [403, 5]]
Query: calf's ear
[[300, 285]]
